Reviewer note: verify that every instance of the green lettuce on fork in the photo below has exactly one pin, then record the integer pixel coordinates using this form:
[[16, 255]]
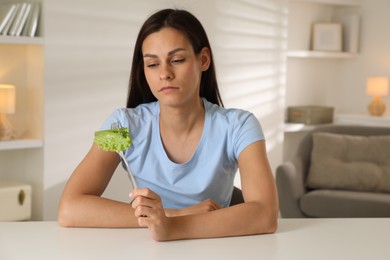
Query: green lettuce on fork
[[116, 140], [113, 140]]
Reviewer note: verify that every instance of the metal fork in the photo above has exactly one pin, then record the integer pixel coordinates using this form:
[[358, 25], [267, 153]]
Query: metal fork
[[122, 156]]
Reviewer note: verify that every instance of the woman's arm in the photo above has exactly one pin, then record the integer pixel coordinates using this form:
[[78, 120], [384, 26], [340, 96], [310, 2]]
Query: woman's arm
[[202, 207], [257, 215], [81, 204]]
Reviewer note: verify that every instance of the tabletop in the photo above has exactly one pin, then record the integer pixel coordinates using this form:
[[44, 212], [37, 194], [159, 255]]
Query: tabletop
[[301, 239]]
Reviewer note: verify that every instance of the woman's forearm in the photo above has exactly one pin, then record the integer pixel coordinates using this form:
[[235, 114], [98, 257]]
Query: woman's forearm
[[202, 207], [243, 219], [95, 211]]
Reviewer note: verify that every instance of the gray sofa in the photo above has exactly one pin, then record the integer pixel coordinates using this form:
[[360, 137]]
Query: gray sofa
[[337, 171]]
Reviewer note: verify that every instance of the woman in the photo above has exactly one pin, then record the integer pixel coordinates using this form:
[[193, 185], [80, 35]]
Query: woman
[[185, 151]]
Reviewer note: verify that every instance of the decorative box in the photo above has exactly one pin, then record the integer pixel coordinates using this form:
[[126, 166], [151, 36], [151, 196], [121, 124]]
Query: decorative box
[[15, 201], [310, 115]]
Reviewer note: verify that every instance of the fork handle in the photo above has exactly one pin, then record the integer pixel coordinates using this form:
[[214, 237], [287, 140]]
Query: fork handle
[[129, 172]]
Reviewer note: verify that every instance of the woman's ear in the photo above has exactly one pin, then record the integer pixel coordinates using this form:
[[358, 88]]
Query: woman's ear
[[205, 58]]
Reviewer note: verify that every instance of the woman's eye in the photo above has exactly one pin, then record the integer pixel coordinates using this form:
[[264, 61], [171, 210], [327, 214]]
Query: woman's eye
[[152, 65], [177, 61]]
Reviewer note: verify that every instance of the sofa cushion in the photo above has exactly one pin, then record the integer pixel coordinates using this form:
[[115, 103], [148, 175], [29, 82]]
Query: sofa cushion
[[344, 204], [348, 162]]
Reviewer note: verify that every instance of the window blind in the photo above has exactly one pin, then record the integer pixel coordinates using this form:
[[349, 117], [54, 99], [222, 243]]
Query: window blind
[[251, 43]]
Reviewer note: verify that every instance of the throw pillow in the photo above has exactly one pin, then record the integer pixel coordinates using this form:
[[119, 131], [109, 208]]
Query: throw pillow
[[349, 162]]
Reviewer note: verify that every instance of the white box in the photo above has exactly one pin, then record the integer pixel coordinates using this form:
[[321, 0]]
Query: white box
[[15, 201]]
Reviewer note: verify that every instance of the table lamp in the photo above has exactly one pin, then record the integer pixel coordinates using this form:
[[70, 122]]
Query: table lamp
[[7, 106], [377, 87]]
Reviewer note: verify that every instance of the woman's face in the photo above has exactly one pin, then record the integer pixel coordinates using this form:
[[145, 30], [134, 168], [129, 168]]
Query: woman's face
[[172, 69]]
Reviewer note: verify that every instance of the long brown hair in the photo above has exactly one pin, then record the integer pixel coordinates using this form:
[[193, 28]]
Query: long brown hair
[[183, 21]]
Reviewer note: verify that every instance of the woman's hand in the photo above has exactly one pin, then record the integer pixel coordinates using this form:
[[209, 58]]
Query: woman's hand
[[202, 207], [150, 213]]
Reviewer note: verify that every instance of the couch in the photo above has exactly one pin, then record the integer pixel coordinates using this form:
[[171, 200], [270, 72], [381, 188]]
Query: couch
[[337, 171]]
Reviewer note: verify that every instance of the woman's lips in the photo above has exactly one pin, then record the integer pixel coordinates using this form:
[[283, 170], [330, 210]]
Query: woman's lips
[[167, 88]]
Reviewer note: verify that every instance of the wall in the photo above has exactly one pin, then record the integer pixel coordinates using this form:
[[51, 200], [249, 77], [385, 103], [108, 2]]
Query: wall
[[88, 49]]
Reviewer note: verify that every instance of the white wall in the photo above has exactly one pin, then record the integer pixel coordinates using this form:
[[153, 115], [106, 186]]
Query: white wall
[[88, 50]]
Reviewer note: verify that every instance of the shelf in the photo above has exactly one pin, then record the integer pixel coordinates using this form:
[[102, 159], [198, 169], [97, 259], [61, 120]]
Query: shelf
[[21, 40], [20, 144], [296, 127], [342, 119], [321, 54], [356, 119], [332, 2]]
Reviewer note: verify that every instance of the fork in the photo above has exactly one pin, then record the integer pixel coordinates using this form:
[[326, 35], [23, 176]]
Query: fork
[[122, 156]]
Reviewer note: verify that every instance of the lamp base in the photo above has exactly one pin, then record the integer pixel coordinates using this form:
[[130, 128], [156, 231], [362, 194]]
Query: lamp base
[[6, 130], [376, 107]]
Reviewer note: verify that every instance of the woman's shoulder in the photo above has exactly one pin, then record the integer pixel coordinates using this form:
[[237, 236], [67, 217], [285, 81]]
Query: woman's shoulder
[[141, 115], [220, 113], [143, 110]]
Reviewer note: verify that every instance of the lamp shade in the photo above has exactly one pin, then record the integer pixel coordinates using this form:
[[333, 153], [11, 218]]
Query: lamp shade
[[7, 99], [377, 86]]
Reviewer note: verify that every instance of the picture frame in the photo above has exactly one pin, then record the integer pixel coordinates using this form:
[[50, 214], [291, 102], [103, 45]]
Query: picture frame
[[327, 37]]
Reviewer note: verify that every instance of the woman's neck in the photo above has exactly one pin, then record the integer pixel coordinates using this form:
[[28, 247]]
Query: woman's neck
[[182, 119], [181, 130]]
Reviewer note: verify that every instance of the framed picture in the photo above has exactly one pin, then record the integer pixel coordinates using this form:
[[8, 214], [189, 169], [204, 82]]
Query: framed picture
[[327, 37]]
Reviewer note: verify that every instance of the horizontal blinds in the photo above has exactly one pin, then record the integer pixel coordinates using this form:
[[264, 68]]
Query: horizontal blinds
[[251, 43]]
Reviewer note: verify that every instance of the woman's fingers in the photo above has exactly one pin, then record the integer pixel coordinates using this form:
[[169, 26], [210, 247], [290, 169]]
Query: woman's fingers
[[143, 222], [147, 206], [144, 192], [143, 212], [144, 197], [212, 204]]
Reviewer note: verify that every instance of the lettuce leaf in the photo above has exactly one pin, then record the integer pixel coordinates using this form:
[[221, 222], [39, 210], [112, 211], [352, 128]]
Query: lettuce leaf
[[113, 140]]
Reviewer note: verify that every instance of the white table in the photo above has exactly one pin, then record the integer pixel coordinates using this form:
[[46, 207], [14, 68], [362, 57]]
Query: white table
[[329, 239]]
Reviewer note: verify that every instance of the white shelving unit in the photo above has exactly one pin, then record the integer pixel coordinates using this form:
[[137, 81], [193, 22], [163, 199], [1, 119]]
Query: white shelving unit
[[303, 13], [361, 119], [295, 127], [22, 65], [331, 2], [20, 144], [320, 54], [311, 74], [21, 40]]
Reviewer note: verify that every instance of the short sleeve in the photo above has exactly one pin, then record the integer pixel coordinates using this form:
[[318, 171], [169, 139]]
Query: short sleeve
[[116, 117], [247, 131]]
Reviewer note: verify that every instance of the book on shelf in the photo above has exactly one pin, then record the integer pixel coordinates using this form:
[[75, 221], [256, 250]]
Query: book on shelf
[[30, 29], [19, 19], [10, 20], [6, 12]]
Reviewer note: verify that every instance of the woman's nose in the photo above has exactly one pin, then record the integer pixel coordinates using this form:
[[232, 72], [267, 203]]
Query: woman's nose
[[165, 76], [166, 73]]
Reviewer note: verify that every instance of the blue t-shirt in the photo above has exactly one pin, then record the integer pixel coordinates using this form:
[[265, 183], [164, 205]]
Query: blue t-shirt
[[210, 171]]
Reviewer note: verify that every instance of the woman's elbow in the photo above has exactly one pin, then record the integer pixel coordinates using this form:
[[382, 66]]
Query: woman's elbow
[[272, 225], [269, 221], [64, 214]]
